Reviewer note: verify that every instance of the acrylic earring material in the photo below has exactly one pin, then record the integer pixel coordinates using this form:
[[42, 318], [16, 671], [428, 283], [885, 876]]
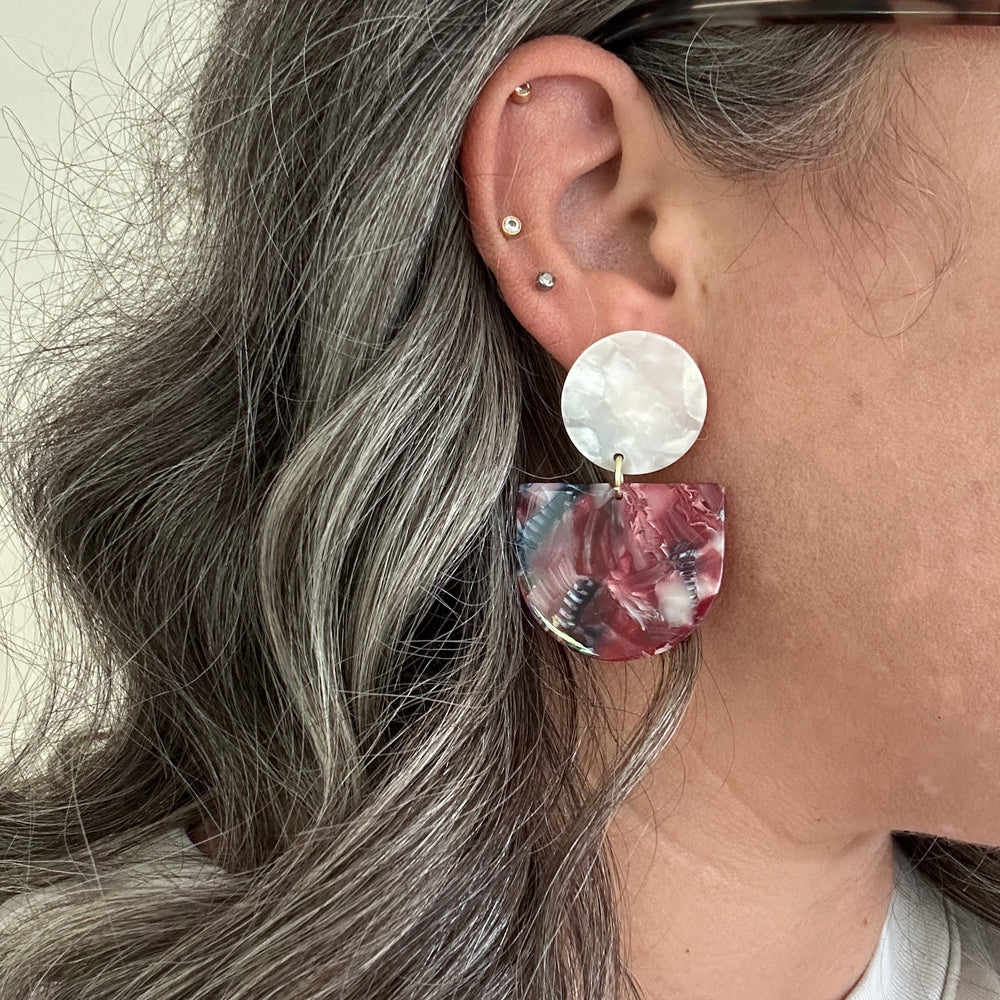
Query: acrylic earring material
[[628, 570]]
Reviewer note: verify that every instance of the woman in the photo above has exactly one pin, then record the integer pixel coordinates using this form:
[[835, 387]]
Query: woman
[[284, 497]]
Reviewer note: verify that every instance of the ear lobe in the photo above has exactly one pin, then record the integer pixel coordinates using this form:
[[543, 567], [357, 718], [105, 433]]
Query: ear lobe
[[580, 165]]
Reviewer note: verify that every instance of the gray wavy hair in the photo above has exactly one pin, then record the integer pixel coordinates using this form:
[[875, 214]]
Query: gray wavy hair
[[268, 492]]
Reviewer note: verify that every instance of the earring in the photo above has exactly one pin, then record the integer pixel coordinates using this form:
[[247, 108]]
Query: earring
[[521, 94], [511, 225], [624, 571]]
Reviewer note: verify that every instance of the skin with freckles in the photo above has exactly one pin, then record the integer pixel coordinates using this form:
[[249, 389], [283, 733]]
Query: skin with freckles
[[851, 677]]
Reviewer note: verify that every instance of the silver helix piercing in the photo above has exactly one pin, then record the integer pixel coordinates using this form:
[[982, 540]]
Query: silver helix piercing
[[522, 94]]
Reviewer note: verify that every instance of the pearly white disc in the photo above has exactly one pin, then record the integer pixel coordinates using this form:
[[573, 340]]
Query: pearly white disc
[[638, 393]]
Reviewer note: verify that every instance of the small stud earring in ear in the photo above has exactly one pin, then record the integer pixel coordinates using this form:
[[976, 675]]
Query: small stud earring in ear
[[511, 225], [546, 279], [522, 94]]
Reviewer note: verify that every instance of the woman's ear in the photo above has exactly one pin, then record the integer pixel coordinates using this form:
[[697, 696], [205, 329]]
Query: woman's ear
[[608, 202]]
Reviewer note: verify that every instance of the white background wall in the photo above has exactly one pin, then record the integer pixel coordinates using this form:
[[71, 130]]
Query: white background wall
[[46, 46]]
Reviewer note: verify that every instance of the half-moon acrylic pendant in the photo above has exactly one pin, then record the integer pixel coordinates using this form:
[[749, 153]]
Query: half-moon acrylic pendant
[[625, 571]]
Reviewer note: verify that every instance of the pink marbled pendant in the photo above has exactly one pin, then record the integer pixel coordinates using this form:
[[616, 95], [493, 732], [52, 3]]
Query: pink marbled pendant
[[620, 579]]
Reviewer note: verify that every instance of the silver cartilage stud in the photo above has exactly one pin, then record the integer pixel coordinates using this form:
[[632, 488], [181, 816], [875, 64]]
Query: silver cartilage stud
[[521, 94], [511, 225], [546, 280]]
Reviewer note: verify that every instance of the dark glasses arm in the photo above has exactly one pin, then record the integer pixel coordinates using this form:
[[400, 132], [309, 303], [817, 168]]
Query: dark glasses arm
[[647, 19]]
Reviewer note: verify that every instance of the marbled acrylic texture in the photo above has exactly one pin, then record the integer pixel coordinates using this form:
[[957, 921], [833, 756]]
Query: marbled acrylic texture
[[620, 579]]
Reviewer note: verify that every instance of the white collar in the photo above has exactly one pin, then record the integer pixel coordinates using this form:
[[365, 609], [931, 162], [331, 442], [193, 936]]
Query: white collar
[[919, 953]]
